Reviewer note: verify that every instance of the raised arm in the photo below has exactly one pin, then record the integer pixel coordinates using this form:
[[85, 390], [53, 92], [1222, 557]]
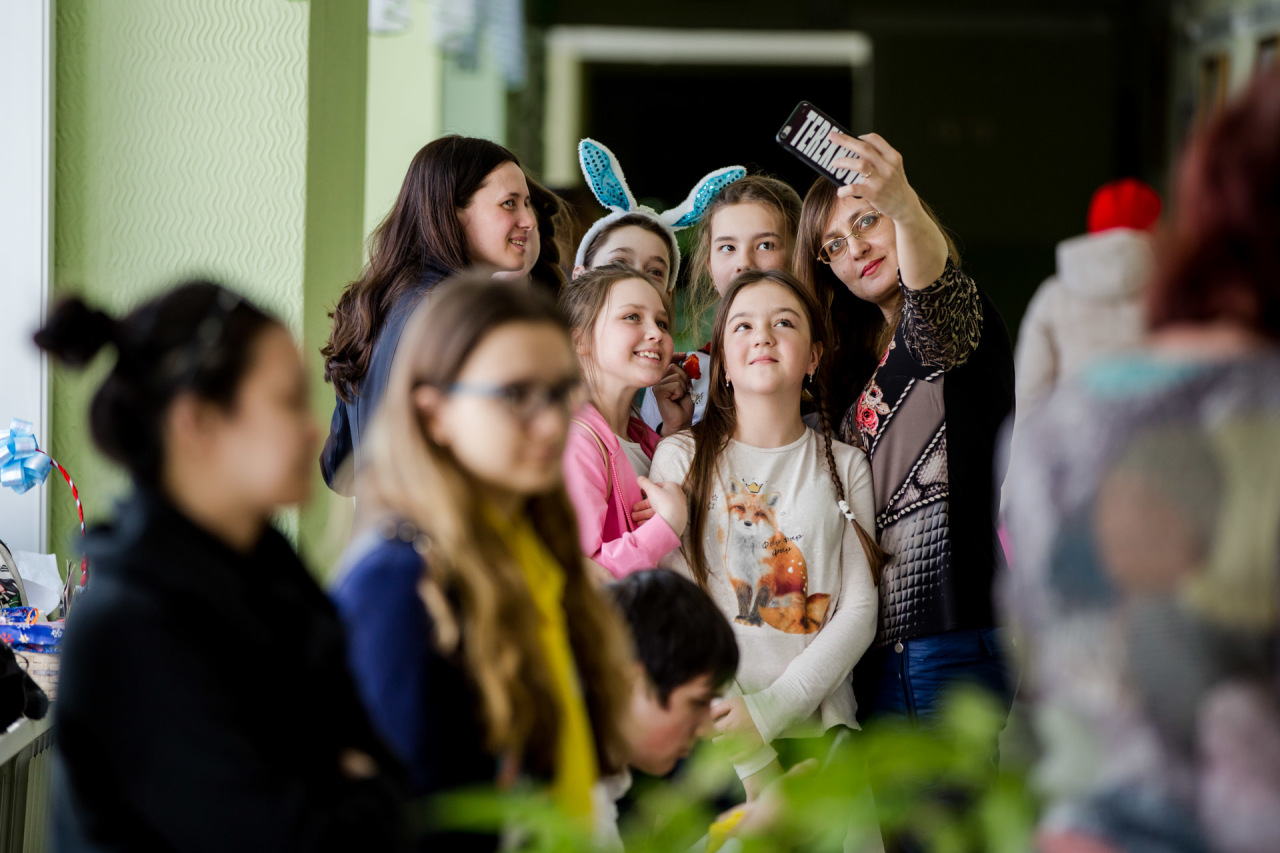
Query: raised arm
[[921, 247]]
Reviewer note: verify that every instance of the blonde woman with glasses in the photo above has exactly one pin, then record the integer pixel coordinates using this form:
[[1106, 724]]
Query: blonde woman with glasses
[[924, 379]]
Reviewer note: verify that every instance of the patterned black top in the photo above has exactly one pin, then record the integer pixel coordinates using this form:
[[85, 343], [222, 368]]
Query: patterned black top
[[929, 419]]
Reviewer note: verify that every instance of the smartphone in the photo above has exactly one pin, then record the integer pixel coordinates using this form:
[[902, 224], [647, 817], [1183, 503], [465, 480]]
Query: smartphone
[[805, 135]]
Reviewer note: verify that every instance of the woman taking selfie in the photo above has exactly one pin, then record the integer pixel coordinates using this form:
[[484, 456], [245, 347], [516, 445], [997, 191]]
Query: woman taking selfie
[[924, 377]]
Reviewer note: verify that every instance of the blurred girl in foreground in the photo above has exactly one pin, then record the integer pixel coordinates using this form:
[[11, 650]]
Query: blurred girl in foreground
[[203, 702], [481, 648]]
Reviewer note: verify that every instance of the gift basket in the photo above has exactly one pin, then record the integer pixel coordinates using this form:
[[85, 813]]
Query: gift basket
[[35, 641]]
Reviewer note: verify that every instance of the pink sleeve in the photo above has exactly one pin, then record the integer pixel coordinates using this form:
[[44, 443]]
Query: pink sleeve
[[586, 480], [642, 434]]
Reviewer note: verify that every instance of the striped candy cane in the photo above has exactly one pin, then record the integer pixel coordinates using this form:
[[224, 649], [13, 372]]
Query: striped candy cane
[[84, 559]]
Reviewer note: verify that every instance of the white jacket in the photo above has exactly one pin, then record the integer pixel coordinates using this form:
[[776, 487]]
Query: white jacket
[[1091, 308]]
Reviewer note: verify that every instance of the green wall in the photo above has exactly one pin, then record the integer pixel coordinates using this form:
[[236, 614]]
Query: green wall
[[211, 137], [253, 141], [404, 108]]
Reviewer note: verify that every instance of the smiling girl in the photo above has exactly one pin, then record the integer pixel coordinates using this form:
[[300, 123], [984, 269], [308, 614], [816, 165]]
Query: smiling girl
[[924, 378], [621, 323], [774, 533], [465, 202]]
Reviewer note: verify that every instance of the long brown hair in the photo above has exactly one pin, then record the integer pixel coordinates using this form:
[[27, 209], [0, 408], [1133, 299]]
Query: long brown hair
[[474, 589], [859, 331], [422, 232], [720, 421], [753, 189]]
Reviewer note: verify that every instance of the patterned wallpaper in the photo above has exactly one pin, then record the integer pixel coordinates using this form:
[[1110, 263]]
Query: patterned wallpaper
[[181, 142]]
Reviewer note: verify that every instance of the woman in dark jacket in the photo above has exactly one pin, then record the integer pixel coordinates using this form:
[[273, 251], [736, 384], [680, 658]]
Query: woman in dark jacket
[[204, 704], [925, 372], [465, 202]]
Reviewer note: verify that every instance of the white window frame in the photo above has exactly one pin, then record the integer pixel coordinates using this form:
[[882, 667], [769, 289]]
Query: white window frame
[[568, 48], [26, 206]]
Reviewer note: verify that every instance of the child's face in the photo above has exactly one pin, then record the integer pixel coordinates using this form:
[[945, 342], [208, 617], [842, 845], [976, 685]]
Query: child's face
[[632, 342], [507, 420], [744, 237], [768, 344], [636, 247], [659, 736], [499, 222]]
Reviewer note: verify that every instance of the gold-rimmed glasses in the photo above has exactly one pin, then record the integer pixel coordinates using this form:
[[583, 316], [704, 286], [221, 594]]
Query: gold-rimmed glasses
[[863, 225]]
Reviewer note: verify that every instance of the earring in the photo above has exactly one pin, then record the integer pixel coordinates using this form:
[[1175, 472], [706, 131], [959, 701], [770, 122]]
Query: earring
[[809, 378], [726, 382]]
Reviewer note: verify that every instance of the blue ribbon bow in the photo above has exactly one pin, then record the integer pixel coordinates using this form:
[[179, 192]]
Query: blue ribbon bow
[[22, 465]]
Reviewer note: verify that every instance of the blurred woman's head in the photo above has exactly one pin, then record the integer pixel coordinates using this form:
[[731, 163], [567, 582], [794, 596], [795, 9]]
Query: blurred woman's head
[[205, 385], [482, 386], [1220, 260]]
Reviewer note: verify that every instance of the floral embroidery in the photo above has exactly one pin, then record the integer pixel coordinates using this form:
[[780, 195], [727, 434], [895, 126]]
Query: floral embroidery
[[871, 406]]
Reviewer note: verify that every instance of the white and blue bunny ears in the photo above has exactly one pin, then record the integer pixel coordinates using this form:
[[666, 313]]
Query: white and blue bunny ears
[[604, 176]]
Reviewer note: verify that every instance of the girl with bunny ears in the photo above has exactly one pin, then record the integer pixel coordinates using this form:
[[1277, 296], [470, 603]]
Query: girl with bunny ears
[[750, 224], [641, 237]]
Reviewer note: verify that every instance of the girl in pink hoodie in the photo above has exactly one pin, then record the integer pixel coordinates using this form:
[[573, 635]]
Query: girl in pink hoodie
[[620, 319]]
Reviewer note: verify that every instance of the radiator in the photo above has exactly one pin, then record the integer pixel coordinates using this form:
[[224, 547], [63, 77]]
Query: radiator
[[25, 780]]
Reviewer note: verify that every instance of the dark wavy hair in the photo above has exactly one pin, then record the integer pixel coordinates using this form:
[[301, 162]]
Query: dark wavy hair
[[1220, 258], [196, 338], [423, 232], [555, 223]]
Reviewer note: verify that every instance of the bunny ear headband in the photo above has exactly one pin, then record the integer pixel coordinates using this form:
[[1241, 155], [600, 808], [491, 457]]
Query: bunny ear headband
[[604, 176]]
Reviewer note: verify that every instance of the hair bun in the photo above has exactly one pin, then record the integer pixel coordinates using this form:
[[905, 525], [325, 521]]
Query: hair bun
[[75, 332]]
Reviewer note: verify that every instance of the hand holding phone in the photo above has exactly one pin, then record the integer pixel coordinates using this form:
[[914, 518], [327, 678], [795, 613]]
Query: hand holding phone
[[805, 135]]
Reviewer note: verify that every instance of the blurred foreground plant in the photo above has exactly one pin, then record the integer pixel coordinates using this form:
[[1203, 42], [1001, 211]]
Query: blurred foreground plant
[[938, 789]]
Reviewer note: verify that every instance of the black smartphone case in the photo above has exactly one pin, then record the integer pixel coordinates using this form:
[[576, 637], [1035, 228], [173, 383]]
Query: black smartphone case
[[805, 135]]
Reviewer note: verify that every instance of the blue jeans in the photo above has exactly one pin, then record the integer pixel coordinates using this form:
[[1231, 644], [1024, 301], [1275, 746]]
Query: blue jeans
[[908, 680]]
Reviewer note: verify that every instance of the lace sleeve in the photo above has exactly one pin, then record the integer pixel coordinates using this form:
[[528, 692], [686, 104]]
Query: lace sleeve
[[942, 324]]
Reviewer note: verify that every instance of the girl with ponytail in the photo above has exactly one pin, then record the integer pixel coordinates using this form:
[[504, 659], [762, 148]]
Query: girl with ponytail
[[167, 740], [778, 521]]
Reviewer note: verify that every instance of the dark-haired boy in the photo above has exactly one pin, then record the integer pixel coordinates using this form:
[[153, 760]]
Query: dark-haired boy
[[685, 655]]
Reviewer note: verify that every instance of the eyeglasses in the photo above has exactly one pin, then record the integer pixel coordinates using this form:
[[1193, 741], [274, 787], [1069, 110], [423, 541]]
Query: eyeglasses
[[526, 400], [862, 226]]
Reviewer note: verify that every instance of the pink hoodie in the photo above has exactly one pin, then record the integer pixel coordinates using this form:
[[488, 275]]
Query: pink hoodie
[[605, 529]]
